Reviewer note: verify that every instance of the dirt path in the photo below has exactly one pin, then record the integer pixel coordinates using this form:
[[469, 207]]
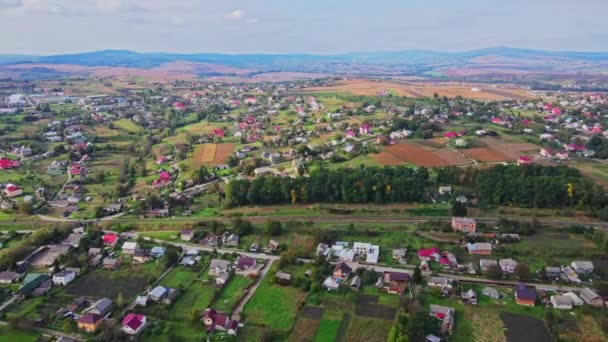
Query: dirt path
[[238, 309]]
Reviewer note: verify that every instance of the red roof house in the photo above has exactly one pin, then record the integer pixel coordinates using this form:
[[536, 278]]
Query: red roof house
[[450, 135], [6, 164], [429, 254], [524, 160], [132, 324], [109, 239]]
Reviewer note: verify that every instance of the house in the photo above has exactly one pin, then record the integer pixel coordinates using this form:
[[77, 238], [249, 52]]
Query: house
[[12, 190], [552, 272], [491, 292], [171, 296], [591, 298], [469, 297], [479, 248], [133, 324], [463, 224], [399, 254], [282, 278], [507, 265], [332, 283], [7, 277], [216, 321], [244, 263], [113, 208], [158, 251], [485, 264], [158, 293], [429, 254], [222, 278], [524, 295], [448, 259], [582, 267], [341, 271], [322, 249], [441, 282], [218, 267], [272, 246], [89, 322], [187, 235], [445, 315], [101, 307], [109, 239], [395, 282], [367, 250], [77, 304], [130, 247], [432, 338], [111, 263], [141, 300], [576, 300], [445, 190], [561, 302], [141, 256], [31, 282], [524, 160], [355, 283], [230, 240], [63, 278], [570, 274]]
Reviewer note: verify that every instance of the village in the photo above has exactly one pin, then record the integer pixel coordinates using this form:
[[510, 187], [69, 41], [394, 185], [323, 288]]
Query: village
[[205, 210]]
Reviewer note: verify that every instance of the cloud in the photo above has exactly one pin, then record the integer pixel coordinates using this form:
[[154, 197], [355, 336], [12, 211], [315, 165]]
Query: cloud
[[10, 3], [237, 14], [252, 21]]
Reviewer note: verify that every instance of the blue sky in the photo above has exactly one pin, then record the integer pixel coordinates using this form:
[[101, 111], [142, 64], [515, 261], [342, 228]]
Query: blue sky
[[303, 26]]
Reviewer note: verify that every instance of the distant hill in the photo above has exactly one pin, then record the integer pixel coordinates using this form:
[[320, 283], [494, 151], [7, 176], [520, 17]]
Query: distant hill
[[388, 62]]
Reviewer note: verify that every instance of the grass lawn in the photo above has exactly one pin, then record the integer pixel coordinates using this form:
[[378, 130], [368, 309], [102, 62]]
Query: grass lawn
[[231, 293], [11, 335], [328, 330], [179, 277], [368, 329], [274, 306], [128, 125]]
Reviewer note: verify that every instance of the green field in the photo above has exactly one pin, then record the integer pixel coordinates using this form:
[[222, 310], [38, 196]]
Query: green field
[[128, 125], [231, 293], [179, 277], [328, 330], [274, 306], [11, 335]]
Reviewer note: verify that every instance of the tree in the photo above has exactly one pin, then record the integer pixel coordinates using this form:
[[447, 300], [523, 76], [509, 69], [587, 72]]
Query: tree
[[289, 256], [417, 276], [494, 272], [120, 299], [273, 228], [171, 257], [522, 271], [99, 212], [459, 210], [26, 208]]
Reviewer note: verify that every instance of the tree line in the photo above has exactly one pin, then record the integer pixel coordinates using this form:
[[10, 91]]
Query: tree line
[[533, 186]]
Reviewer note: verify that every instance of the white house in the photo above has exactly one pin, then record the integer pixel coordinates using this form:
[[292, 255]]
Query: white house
[[507, 265], [369, 251], [561, 302], [63, 278], [130, 247], [582, 267]]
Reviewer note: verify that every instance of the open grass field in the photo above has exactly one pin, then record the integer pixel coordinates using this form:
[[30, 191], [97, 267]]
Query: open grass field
[[231, 293], [11, 335], [128, 125], [327, 330], [363, 329], [305, 330], [423, 89], [274, 306], [179, 277]]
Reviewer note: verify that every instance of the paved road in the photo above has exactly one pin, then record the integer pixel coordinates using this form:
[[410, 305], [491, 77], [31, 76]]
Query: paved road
[[540, 286], [238, 309]]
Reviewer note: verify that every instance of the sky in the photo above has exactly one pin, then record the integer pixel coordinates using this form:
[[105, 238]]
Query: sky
[[299, 26]]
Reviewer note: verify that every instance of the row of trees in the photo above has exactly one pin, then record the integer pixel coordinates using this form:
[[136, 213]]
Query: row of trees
[[362, 185], [532, 186]]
